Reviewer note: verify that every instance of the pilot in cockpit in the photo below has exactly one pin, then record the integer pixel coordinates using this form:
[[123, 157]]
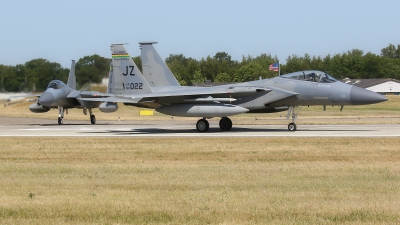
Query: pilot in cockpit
[[325, 79], [311, 77], [56, 84]]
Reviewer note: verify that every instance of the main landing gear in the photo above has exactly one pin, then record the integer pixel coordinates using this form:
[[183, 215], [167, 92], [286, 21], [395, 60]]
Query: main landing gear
[[61, 111], [293, 113], [202, 125], [225, 124], [92, 116]]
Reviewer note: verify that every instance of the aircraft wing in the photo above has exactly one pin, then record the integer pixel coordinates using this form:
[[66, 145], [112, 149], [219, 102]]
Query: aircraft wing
[[195, 94], [23, 96], [89, 95], [234, 91], [27, 95], [94, 94]]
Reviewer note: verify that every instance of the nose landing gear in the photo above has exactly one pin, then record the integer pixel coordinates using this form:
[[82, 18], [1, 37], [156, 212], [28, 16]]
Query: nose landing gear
[[292, 112], [60, 115]]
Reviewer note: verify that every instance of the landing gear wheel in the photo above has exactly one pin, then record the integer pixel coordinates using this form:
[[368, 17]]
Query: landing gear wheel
[[225, 124], [92, 119], [292, 127], [60, 121], [202, 125]]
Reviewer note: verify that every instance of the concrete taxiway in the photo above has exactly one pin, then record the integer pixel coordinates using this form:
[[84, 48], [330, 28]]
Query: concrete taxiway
[[24, 127]]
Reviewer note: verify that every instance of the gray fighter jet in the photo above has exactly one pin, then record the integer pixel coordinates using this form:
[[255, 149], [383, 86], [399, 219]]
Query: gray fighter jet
[[65, 96], [159, 89]]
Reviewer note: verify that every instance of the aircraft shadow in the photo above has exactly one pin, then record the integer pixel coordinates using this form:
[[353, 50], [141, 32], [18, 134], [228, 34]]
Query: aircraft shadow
[[178, 131], [55, 125], [78, 124], [211, 130]]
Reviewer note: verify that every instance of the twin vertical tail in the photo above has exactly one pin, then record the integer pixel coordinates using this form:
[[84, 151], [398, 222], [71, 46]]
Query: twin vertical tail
[[125, 77], [154, 68], [71, 77]]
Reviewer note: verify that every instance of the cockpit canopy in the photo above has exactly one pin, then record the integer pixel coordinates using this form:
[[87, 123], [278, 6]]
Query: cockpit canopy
[[311, 75], [56, 84]]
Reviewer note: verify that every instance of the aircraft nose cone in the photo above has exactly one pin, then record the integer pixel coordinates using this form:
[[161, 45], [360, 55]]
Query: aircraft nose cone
[[46, 99], [361, 96]]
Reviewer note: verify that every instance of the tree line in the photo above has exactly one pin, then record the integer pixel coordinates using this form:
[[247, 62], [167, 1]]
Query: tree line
[[35, 75]]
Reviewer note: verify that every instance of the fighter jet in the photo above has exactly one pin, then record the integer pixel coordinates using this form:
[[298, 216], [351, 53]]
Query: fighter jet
[[159, 89], [65, 96]]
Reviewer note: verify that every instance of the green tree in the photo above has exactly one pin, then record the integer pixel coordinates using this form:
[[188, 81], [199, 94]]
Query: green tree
[[251, 71], [391, 51], [326, 64], [138, 62], [183, 68], [293, 63], [91, 69], [350, 64], [372, 66], [209, 68], [265, 60], [198, 77], [39, 72], [223, 78], [9, 78], [391, 68], [337, 68], [222, 56]]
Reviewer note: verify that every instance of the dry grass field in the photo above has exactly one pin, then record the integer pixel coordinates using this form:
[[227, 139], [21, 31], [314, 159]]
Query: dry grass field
[[200, 181]]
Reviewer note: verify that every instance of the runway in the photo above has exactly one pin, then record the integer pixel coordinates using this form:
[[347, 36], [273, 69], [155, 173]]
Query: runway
[[28, 127]]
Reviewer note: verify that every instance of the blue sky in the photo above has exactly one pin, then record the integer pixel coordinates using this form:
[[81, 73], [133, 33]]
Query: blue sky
[[61, 30]]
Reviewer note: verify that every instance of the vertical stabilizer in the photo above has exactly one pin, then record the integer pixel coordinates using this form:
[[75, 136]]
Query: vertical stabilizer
[[71, 77], [127, 78], [154, 68]]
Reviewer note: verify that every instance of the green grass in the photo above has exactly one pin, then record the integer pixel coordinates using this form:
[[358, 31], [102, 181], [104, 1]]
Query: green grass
[[200, 181]]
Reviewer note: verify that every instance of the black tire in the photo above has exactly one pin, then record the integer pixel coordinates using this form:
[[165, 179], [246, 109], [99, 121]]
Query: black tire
[[225, 124], [202, 125], [92, 119], [60, 121], [292, 127]]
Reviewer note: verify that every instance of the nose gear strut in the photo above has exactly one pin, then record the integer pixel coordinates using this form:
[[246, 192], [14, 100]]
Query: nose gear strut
[[293, 112]]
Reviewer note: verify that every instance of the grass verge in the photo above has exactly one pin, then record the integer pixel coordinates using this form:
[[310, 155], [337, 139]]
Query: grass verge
[[199, 180]]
